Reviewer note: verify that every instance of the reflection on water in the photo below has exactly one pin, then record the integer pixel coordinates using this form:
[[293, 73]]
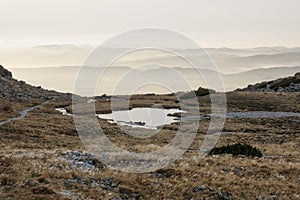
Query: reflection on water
[[149, 118]]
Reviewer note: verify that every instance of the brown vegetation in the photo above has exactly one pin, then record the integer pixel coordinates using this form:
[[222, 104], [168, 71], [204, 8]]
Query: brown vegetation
[[31, 167]]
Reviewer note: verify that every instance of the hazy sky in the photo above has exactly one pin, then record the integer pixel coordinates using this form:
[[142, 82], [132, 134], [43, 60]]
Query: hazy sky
[[212, 23]]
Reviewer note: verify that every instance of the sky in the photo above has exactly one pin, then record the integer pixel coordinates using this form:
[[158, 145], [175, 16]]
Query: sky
[[212, 23], [54, 33]]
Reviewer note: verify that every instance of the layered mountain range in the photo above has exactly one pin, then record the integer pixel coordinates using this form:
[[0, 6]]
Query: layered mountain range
[[63, 78]]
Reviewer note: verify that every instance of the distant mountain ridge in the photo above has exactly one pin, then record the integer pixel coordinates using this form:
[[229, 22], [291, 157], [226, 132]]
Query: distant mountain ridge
[[63, 78], [229, 60], [13, 89]]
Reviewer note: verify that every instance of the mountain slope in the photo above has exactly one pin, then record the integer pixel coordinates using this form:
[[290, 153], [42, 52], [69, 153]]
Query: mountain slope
[[15, 90], [240, 80], [288, 84]]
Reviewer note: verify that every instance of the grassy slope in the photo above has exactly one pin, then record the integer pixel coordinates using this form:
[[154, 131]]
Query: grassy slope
[[30, 167]]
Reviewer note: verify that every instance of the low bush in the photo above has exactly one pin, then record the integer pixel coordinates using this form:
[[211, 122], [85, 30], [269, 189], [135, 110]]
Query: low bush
[[6, 108], [198, 93], [237, 149]]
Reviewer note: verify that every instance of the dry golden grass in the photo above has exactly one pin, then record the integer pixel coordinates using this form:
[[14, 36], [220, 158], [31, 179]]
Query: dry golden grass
[[31, 168], [244, 178]]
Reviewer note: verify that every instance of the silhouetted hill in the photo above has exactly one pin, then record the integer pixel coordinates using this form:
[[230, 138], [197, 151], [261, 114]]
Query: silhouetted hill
[[15, 90]]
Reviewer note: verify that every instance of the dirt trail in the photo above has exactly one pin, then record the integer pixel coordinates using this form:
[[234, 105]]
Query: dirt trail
[[23, 113]]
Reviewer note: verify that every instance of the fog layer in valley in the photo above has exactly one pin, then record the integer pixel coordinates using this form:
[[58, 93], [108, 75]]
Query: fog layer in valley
[[238, 68]]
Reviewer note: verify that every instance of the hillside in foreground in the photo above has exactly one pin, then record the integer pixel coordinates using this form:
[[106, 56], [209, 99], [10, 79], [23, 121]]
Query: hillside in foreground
[[42, 157], [287, 84], [15, 90]]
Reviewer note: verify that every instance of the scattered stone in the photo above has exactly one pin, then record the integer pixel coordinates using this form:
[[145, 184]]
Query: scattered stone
[[79, 159], [108, 183], [42, 190], [202, 188], [71, 195], [167, 173], [223, 195], [116, 198], [128, 193], [67, 184], [30, 183], [105, 183]]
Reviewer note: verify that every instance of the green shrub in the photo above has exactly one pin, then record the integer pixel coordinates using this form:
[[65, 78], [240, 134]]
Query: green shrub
[[199, 93], [237, 149]]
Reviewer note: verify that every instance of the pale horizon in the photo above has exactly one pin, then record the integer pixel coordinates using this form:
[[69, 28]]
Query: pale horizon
[[229, 23], [239, 36]]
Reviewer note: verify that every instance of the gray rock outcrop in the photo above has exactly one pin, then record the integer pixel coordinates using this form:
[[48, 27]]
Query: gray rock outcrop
[[288, 84]]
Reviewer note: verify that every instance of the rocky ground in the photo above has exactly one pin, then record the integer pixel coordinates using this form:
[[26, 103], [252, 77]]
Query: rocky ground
[[15, 90], [42, 157], [288, 84]]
